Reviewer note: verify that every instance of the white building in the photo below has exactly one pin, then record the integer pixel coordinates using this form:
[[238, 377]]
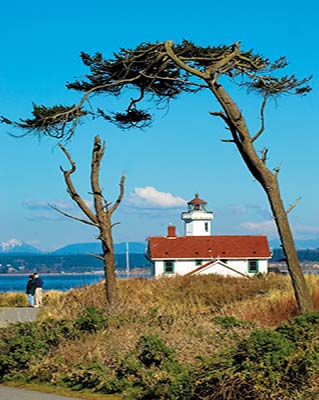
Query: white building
[[198, 252]]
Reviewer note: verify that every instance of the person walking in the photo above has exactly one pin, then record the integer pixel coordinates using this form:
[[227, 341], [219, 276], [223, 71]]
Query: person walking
[[30, 289], [38, 283]]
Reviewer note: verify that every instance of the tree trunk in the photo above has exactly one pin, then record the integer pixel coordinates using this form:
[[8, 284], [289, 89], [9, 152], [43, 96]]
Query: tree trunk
[[101, 219], [108, 258], [110, 279], [302, 293], [269, 183]]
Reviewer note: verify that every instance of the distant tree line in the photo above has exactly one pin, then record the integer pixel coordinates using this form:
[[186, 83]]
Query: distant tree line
[[303, 255], [66, 263]]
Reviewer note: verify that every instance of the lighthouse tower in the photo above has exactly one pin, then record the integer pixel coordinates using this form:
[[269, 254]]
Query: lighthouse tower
[[197, 218]]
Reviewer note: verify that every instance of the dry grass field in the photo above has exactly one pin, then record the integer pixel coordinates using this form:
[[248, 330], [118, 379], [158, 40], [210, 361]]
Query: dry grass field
[[197, 317]]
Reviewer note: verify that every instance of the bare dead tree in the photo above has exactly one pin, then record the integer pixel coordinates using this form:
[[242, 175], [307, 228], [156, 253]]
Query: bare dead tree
[[162, 71], [102, 215]]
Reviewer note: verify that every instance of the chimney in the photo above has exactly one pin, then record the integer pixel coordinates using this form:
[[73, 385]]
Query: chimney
[[171, 231]]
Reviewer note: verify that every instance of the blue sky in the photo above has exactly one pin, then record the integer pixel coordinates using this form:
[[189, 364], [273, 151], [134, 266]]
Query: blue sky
[[181, 153]]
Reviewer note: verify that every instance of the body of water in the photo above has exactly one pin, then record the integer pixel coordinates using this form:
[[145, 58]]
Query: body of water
[[17, 283], [63, 282]]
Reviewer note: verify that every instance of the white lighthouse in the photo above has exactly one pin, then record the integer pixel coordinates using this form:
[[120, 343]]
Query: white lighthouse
[[197, 219]]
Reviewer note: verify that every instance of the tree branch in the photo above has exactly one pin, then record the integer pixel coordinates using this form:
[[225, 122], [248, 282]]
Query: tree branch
[[120, 196], [221, 115], [262, 117], [166, 78], [263, 157], [72, 216], [169, 49], [97, 154], [277, 169], [293, 205], [95, 255], [222, 63], [227, 140], [71, 189], [226, 120]]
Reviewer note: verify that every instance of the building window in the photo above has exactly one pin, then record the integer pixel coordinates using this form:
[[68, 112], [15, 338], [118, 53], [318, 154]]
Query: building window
[[168, 267], [206, 226], [253, 266], [198, 263]]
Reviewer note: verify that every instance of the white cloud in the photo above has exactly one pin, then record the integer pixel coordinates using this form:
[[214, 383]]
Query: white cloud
[[42, 205], [263, 227], [268, 227], [149, 197], [306, 229], [35, 205], [47, 216]]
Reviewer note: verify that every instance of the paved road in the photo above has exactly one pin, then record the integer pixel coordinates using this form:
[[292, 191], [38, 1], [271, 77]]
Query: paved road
[[9, 393], [17, 314]]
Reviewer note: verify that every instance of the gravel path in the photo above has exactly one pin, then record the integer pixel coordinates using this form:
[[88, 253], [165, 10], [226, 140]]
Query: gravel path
[[10, 315], [10, 393]]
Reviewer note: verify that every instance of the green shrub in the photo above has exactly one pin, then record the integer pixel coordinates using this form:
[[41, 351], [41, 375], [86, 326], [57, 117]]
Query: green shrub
[[92, 376], [24, 343], [151, 372], [54, 331], [301, 329], [269, 364], [229, 321], [153, 351], [19, 346], [91, 319]]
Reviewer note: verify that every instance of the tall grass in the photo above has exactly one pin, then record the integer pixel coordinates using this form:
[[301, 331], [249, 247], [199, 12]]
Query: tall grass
[[181, 310], [198, 317]]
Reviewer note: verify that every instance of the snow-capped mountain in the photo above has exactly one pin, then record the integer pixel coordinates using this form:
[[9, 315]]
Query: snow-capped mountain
[[17, 246]]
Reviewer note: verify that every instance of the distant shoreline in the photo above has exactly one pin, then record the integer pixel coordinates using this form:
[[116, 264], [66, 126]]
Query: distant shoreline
[[56, 273]]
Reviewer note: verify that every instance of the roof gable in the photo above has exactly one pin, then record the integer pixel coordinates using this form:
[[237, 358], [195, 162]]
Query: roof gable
[[209, 247], [211, 265]]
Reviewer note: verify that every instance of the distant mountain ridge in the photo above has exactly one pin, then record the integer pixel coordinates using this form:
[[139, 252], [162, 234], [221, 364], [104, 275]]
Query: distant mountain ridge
[[95, 247], [15, 246]]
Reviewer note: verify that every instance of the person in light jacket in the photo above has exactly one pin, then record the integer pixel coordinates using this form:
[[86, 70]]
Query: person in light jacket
[[38, 283]]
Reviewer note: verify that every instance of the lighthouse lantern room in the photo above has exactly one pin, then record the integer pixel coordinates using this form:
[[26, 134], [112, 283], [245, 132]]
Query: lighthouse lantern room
[[197, 219]]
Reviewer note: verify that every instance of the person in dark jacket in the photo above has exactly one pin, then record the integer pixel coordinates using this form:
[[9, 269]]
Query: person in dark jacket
[[30, 289], [38, 283]]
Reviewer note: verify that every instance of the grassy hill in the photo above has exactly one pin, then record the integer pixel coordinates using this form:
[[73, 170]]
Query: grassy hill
[[203, 337]]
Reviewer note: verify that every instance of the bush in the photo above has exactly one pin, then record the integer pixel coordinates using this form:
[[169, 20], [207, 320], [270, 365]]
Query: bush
[[91, 319], [54, 331], [19, 346], [92, 376], [301, 329], [268, 365], [153, 351], [151, 372], [24, 343], [230, 322]]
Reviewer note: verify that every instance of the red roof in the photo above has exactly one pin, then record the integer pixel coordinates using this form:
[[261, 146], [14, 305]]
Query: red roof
[[208, 247], [196, 200]]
